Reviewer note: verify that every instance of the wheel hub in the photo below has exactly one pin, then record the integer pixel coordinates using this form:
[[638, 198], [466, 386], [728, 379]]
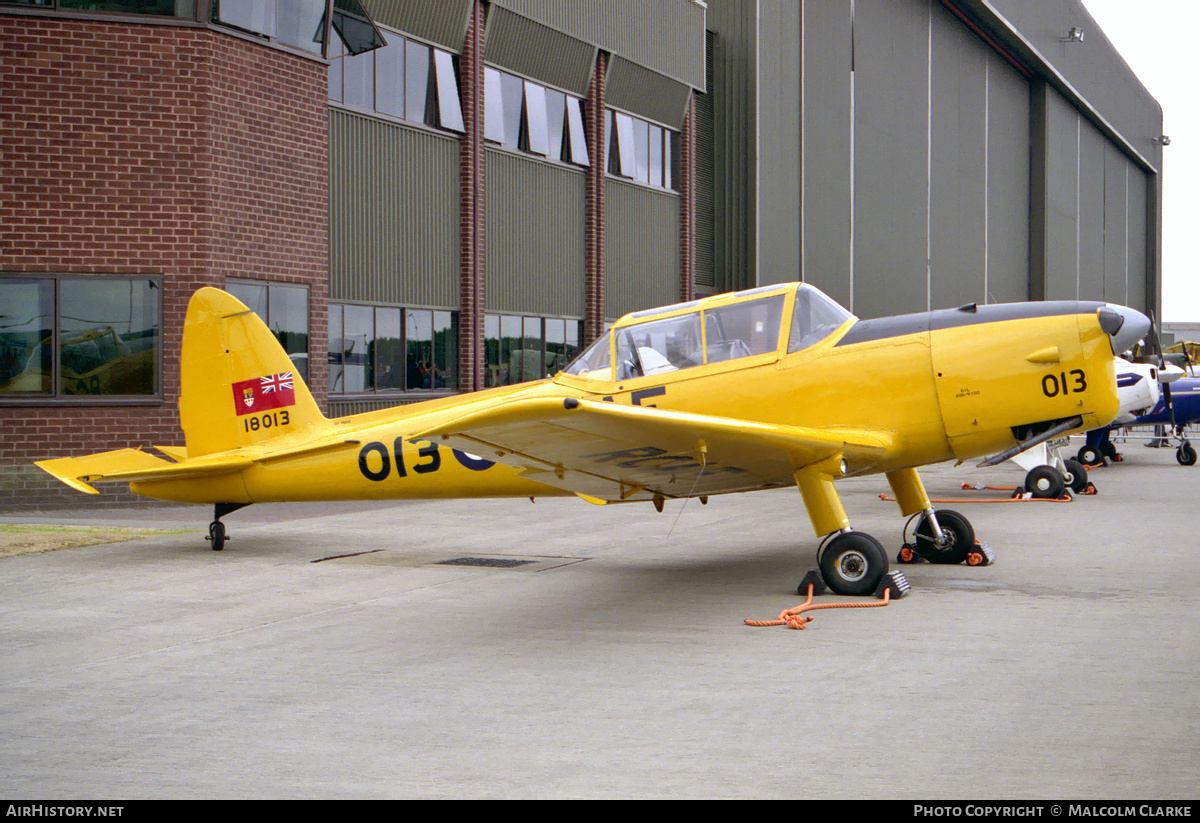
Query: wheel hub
[[852, 565]]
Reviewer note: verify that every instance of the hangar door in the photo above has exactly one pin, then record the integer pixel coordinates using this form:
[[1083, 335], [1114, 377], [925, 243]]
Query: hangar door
[[1096, 213], [940, 213]]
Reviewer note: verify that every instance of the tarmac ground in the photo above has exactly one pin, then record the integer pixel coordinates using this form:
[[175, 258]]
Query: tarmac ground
[[331, 652]]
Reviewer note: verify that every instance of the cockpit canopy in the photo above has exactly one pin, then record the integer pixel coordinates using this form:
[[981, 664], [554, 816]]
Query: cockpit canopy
[[712, 330]]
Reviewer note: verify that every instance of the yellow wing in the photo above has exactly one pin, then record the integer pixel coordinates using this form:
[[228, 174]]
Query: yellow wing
[[615, 452]]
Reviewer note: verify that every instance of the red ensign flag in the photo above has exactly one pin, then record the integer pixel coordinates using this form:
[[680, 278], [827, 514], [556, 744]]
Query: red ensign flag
[[264, 393]]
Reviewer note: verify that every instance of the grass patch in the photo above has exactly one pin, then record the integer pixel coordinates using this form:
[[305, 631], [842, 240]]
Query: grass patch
[[22, 539]]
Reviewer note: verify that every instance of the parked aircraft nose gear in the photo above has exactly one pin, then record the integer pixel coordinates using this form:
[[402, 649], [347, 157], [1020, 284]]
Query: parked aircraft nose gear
[[852, 563], [1045, 481], [1186, 454], [956, 542]]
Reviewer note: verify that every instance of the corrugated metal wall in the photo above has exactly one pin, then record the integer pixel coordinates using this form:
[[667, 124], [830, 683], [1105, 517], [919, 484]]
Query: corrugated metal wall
[[827, 147], [641, 247], [1096, 205], [533, 50], [663, 35], [733, 146], [443, 22], [705, 185], [941, 164], [641, 91], [535, 236], [393, 195]]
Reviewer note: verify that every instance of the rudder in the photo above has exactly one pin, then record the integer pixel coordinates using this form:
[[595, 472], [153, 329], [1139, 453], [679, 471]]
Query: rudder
[[238, 387]]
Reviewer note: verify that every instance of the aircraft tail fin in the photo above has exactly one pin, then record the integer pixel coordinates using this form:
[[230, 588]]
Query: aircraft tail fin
[[238, 386]]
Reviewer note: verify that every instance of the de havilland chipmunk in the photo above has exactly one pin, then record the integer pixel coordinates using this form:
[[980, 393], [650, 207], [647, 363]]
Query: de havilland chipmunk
[[772, 387]]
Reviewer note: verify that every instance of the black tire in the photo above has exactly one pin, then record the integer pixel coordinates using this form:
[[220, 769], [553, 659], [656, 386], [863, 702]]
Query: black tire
[[1107, 449], [1076, 476], [960, 538], [216, 533], [1186, 455], [1089, 456], [853, 563], [1045, 481]]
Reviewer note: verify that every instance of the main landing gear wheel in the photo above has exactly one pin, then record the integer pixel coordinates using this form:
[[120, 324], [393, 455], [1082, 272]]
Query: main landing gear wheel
[[1186, 454], [1045, 481], [958, 538], [1076, 476], [853, 563], [1089, 456]]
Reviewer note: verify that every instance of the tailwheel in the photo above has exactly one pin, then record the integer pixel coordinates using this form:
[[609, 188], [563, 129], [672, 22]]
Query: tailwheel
[[216, 533], [853, 563], [957, 541], [1045, 481], [216, 529]]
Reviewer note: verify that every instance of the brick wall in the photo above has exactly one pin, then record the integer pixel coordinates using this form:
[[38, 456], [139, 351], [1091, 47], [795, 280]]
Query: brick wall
[[176, 151]]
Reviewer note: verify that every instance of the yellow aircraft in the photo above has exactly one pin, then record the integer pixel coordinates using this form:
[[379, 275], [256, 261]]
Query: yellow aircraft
[[771, 387]]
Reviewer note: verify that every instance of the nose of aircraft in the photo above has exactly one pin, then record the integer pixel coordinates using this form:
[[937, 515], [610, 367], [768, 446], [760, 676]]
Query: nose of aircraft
[[1125, 326]]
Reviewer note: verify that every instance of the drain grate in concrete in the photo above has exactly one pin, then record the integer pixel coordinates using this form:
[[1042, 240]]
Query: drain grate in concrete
[[487, 562]]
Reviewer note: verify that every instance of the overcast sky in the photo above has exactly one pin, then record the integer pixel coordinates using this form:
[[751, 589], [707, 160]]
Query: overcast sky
[[1156, 39]]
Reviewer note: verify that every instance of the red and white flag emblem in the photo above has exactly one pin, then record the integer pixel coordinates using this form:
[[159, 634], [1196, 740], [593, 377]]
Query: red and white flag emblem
[[274, 391]]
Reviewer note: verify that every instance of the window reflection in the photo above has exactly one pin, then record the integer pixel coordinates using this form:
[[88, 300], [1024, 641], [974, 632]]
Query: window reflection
[[520, 348], [26, 336], [385, 348], [108, 337]]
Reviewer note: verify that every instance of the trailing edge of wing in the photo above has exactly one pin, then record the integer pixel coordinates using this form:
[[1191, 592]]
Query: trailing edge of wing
[[616, 452]]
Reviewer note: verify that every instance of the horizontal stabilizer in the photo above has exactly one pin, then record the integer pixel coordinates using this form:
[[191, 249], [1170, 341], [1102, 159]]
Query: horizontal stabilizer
[[133, 465]]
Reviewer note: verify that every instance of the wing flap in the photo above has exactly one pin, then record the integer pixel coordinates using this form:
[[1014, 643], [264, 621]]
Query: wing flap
[[616, 452]]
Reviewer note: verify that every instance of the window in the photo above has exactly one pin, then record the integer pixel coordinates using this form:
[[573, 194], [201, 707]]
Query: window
[[814, 318], [683, 341], [521, 348], [284, 308], [162, 8], [641, 151], [525, 116], [375, 349], [404, 79], [71, 336], [299, 23], [743, 329], [659, 346]]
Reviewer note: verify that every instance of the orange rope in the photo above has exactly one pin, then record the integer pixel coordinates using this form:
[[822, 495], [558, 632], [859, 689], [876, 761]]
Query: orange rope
[[1063, 499], [792, 617]]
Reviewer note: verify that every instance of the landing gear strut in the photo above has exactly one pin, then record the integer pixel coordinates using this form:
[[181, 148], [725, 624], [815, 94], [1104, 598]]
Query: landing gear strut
[[216, 529]]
